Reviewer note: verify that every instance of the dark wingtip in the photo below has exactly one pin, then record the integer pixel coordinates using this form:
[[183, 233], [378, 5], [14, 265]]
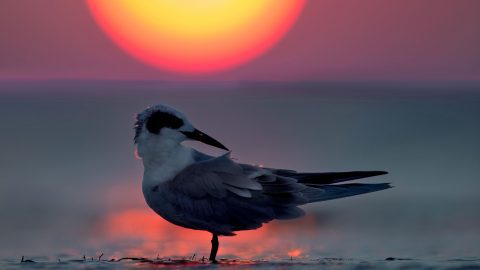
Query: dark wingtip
[[365, 174], [375, 186], [334, 177], [376, 173]]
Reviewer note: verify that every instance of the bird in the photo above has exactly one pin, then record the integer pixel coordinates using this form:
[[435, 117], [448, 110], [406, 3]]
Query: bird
[[216, 194]]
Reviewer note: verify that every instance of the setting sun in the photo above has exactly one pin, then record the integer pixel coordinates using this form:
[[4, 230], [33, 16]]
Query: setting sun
[[192, 36]]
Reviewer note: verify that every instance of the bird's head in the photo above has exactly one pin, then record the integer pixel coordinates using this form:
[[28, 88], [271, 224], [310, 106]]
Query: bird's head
[[162, 123]]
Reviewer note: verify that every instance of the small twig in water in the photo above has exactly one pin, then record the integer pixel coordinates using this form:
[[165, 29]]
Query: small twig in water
[[26, 261], [140, 259], [193, 257], [84, 258], [100, 257]]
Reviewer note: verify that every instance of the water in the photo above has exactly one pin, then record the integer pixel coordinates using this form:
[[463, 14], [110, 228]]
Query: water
[[70, 183], [314, 263]]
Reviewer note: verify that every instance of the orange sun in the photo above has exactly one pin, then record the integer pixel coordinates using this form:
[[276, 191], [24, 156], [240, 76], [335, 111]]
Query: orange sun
[[195, 36]]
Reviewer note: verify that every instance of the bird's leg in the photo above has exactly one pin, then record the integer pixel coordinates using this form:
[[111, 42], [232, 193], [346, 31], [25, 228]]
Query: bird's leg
[[213, 252]]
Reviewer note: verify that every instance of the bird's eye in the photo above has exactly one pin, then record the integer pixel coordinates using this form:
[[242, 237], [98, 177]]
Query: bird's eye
[[159, 120]]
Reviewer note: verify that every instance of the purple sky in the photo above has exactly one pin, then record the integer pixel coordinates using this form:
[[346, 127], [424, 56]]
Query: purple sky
[[332, 40]]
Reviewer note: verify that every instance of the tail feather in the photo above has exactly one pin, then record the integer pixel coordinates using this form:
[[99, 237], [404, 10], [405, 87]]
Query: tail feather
[[330, 192], [332, 177]]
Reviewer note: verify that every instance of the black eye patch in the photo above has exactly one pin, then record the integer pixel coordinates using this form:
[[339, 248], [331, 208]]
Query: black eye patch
[[159, 120]]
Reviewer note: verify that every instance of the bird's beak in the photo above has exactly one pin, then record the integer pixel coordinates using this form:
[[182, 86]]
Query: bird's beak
[[202, 137]]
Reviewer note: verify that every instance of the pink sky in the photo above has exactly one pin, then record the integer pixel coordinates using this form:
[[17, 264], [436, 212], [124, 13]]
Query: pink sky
[[332, 40]]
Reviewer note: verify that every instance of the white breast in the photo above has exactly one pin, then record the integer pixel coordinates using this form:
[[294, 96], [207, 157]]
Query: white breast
[[164, 167]]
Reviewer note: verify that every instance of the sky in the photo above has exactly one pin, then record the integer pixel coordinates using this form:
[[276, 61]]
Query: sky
[[352, 85], [371, 40]]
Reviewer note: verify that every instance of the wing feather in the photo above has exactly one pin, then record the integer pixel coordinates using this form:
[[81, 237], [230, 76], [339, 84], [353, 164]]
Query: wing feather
[[222, 196], [240, 181], [239, 191]]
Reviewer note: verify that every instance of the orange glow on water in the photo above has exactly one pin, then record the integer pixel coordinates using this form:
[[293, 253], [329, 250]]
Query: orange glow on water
[[295, 252], [130, 228], [193, 36], [154, 236]]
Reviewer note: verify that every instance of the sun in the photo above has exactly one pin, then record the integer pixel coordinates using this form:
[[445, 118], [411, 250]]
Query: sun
[[195, 36]]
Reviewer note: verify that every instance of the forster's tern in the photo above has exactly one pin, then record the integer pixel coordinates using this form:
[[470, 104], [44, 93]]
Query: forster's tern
[[216, 194]]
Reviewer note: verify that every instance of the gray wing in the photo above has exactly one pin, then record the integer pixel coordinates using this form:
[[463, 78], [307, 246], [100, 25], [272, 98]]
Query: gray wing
[[325, 178], [218, 195], [221, 196], [323, 186]]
